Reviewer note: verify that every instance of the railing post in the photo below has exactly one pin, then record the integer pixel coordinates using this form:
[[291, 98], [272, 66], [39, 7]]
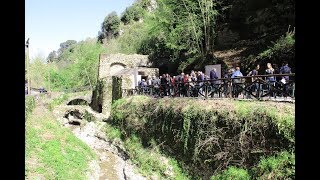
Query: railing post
[[230, 88], [206, 90], [259, 85]]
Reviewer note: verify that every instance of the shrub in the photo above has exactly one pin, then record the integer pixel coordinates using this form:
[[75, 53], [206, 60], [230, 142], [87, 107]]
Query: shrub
[[232, 173]]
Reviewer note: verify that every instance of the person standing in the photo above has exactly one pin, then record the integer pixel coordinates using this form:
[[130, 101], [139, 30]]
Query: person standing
[[236, 82], [270, 79], [285, 69]]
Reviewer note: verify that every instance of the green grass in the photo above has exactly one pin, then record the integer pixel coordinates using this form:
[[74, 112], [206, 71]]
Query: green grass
[[52, 151], [149, 160], [232, 173], [29, 105], [279, 166], [58, 101]]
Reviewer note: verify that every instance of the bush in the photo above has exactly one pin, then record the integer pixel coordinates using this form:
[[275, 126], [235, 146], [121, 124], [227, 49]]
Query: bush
[[279, 166], [283, 44], [232, 173]]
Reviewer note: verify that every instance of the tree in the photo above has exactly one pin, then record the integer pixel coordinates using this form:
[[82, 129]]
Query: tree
[[53, 56], [81, 68], [187, 28], [133, 13], [66, 45], [100, 37], [111, 25]]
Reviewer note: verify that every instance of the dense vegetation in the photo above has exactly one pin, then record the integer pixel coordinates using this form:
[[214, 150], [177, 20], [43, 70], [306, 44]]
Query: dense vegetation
[[184, 35], [76, 66], [178, 36], [214, 135]]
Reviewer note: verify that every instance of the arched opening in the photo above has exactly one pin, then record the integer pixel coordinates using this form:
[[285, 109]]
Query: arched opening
[[78, 102], [116, 67]]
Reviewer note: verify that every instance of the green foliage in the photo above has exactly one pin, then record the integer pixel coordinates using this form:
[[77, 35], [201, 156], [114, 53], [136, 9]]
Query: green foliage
[[52, 151], [283, 49], [66, 45], [110, 25], [200, 132], [283, 119], [58, 100], [130, 41], [88, 116], [82, 69], [38, 72], [185, 27], [176, 32], [133, 13], [279, 166], [65, 49], [154, 164], [53, 56], [30, 104], [282, 45], [112, 133], [232, 173]]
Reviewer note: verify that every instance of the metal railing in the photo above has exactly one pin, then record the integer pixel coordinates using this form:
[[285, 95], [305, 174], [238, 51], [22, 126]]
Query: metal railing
[[247, 87]]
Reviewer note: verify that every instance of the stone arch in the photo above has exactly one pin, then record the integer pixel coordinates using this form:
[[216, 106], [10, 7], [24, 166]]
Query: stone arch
[[78, 101], [116, 67]]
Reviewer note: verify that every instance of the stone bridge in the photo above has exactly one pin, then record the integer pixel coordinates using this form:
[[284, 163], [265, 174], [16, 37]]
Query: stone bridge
[[80, 100]]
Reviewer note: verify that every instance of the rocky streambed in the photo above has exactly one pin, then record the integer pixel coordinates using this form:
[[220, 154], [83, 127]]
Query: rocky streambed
[[88, 125]]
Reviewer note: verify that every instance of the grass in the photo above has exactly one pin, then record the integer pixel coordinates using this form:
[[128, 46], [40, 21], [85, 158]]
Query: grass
[[279, 166], [29, 105], [52, 151], [150, 161], [232, 173]]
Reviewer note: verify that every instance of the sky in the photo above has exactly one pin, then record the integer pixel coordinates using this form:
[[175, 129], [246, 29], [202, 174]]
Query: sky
[[51, 22]]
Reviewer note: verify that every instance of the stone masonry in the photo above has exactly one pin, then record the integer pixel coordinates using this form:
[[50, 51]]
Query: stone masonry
[[118, 72]]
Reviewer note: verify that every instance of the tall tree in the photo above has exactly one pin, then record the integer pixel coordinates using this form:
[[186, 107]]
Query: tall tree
[[187, 27], [66, 45], [111, 25], [53, 56]]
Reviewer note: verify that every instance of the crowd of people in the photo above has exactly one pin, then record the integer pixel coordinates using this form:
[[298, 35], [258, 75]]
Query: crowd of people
[[193, 84]]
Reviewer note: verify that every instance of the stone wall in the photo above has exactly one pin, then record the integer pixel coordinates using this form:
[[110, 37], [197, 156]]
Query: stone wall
[[116, 88], [117, 72], [127, 61], [102, 96]]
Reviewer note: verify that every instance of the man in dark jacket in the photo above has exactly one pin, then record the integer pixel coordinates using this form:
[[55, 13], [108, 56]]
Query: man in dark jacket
[[285, 69]]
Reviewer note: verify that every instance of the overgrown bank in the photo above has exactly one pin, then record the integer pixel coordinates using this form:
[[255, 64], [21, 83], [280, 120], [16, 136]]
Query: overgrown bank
[[213, 135], [52, 151]]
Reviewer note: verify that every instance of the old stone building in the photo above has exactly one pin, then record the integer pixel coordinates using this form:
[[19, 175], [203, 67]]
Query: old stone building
[[119, 72]]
